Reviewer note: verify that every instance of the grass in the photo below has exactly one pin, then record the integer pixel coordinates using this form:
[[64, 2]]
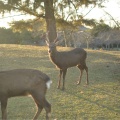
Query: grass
[[99, 101]]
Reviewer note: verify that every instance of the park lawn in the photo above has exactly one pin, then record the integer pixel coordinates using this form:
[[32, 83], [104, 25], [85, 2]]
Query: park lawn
[[98, 101]]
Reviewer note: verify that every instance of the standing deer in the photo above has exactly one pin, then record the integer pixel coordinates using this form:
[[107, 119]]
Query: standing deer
[[65, 59], [23, 82]]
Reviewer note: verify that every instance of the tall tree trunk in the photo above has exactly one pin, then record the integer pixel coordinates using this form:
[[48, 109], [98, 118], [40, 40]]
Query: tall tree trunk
[[87, 44], [65, 38], [50, 20], [117, 46]]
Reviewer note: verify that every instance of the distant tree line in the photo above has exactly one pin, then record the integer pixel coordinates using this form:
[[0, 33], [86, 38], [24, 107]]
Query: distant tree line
[[100, 36], [8, 36]]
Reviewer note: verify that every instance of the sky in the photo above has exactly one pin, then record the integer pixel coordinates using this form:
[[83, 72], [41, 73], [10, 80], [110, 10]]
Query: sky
[[7, 18], [111, 7]]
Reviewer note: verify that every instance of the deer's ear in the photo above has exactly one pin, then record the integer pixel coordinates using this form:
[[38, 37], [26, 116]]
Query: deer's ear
[[58, 42], [47, 39]]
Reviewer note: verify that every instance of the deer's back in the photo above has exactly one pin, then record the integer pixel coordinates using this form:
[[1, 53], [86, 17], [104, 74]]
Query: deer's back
[[20, 81], [69, 58]]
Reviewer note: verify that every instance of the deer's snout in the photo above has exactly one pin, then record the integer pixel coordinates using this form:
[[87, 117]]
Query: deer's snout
[[49, 51]]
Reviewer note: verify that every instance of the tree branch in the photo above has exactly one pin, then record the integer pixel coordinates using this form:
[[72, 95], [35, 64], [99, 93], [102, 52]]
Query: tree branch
[[112, 18]]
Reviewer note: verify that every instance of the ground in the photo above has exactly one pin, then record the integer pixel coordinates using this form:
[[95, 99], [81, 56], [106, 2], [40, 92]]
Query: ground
[[98, 101]]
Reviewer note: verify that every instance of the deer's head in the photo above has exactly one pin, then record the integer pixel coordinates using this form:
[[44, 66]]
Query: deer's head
[[52, 45]]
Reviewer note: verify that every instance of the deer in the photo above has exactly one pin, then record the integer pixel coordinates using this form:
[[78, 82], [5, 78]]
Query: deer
[[66, 59], [24, 82]]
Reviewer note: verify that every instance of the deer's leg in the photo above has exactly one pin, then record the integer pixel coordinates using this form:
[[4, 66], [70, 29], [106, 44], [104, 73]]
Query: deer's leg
[[47, 107], [64, 74], [86, 69], [59, 81], [41, 103], [4, 108], [81, 73], [39, 107], [38, 111]]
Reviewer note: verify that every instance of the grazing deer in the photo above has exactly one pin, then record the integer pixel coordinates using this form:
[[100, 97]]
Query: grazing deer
[[23, 82], [65, 59]]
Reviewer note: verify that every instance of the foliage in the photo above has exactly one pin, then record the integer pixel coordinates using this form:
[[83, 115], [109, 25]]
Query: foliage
[[49, 10], [34, 6], [29, 25], [21, 25], [80, 37], [37, 9], [104, 36], [108, 38], [100, 28], [62, 24], [7, 36], [98, 101]]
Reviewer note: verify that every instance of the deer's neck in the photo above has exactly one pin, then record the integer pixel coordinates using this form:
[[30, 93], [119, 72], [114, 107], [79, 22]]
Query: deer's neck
[[53, 56]]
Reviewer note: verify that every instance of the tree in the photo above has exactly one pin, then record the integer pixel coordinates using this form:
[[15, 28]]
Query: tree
[[113, 19], [47, 9], [99, 28], [8, 37]]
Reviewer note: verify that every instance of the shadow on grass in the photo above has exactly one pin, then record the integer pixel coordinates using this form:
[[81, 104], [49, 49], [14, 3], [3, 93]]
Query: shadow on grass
[[80, 96]]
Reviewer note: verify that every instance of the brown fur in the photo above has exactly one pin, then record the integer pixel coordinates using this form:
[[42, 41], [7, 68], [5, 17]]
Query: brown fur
[[64, 60], [20, 82]]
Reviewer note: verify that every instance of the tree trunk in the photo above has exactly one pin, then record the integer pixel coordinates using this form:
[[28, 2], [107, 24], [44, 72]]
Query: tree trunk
[[50, 20], [73, 39], [117, 46], [106, 46], [87, 44], [65, 38], [112, 46]]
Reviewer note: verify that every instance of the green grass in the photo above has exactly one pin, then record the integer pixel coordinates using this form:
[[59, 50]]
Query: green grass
[[99, 101]]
